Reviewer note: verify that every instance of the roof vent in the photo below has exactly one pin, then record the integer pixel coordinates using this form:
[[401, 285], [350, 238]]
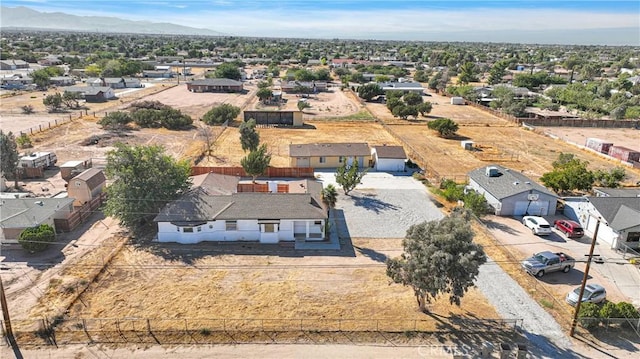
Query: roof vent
[[527, 182], [516, 183], [492, 171], [39, 203]]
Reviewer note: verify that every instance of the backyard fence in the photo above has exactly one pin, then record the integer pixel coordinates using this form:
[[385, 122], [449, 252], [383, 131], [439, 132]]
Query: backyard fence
[[62, 331], [271, 172]]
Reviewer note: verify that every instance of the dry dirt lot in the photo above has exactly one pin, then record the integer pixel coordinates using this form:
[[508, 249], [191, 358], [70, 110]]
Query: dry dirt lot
[[497, 141], [626, 137]]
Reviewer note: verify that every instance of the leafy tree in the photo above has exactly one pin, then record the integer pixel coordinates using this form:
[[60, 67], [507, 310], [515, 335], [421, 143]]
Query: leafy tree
[[421, 76], [144, 179], [439, 258], [329, 196], [369, 91], [302, 105], [221, 114], [412, 99], [41, 77], [569, 174], [349, 176], [114, 120], [404, 111], [227, 70], [264, 93], [71, 99], [424, 108], [256, 162], [249, 136], [53, 102], [476, 203], [304, 75], [627, 310], [9, 156], [589, 315], [467, 73], [445, 127], [497, 72], [610, 179], [37, 239]]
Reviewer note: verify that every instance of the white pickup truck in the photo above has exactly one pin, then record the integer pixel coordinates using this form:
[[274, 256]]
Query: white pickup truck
[[546, 262]]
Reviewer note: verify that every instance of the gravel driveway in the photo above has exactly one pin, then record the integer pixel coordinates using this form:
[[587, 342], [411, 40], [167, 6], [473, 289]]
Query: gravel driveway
[[382, 206]]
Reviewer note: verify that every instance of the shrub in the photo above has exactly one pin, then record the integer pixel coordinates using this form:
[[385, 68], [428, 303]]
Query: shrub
[[115, 120], [445, 127], [147, 118], [24, 141], [36, 239], [589, 315], [627, 310], [27, 109], [609, 310], [221, 114]]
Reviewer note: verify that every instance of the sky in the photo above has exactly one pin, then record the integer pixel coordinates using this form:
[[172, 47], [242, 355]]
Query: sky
[[541, 21]]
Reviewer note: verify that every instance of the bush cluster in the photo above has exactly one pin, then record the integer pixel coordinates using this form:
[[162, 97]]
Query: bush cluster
[[36, 239], [592, 315], [454, 192], [152, 114]]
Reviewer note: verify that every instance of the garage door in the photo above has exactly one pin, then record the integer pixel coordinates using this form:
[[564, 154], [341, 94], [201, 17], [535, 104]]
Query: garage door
[[534, 208]]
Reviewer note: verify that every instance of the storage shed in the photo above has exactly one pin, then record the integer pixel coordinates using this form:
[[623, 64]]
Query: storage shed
[[86, 186], [389, 158], [457, 101], [624, 154], [598, 145]]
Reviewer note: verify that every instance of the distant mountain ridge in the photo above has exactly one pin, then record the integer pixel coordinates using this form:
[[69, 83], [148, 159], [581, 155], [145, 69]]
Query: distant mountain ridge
[[25, 18]]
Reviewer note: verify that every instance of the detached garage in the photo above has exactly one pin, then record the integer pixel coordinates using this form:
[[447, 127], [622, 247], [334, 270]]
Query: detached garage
[[510, 193], [389, 158]]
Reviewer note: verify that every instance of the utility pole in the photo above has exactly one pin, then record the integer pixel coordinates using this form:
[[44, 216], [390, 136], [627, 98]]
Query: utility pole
[[584, 280], [5, 313]]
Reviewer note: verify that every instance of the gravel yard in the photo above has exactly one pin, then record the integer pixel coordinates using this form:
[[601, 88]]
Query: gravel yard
[[383, 206]]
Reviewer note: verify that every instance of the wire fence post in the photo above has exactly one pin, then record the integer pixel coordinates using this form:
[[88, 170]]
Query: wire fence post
[[148, 326]]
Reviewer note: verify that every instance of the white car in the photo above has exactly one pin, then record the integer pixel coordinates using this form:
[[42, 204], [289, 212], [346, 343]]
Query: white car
[[537, 225]]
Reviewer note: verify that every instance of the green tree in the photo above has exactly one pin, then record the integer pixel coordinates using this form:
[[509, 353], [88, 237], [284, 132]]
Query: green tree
[[144, 179], [303, 105], [37, 239], [71, 99], [329, 196], [249, 136], [41, 78], [348, 177], [498, 70], [263, 94], [467, 73], [256, 162], [53, 102], [476, 203], [589, 315], [9, 156], [445, 127], [421, 76], [369, 91], [227, 70], [221, 114], [611, 178], [412, 99], [424, 108], [439, 258], [569, 174]]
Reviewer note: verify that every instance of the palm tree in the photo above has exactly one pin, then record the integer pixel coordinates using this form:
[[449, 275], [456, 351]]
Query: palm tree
[[329, 196]]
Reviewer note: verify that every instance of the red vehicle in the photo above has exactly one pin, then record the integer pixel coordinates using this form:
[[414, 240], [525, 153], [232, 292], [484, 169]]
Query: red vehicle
[[570, 229]]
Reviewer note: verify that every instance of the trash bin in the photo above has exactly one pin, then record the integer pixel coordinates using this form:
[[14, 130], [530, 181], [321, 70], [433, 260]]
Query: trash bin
[[486, 350], [522, 351], [505, 351]]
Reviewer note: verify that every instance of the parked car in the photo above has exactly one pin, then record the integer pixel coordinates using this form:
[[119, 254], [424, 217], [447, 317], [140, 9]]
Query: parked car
[[547, 262], [593, 293], [537, 225], [571, 229]]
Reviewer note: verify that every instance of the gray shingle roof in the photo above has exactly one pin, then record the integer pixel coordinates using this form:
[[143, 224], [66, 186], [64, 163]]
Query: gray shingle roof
[[93, 177], [216, 82], [508, 183], [625, 218], [619, 192], [609, 206], [88, 90], [329, 149], [390, 152], [27, 212], [197, 206]]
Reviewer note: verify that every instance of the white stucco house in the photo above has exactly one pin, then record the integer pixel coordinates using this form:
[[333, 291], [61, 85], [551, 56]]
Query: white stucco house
[[213, 210], [618, 211], [510, 193], [389, 158]]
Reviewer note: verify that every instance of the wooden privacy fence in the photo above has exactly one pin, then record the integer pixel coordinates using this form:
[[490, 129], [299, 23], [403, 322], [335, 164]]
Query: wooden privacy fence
[[80, 214], [271, 171]]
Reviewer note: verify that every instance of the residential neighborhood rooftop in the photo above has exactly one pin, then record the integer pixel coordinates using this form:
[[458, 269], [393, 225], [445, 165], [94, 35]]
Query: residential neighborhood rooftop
[[507, 183], [329, 149]]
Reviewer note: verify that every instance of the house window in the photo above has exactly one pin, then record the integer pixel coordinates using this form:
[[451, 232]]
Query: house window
[[187, 229], [199, 229], [231, 225], [317, 223], [269, 227], [341, 159], [323, 159], [633, 237]]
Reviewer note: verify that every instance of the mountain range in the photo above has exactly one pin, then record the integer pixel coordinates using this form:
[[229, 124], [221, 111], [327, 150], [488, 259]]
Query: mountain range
[[24, 18]]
